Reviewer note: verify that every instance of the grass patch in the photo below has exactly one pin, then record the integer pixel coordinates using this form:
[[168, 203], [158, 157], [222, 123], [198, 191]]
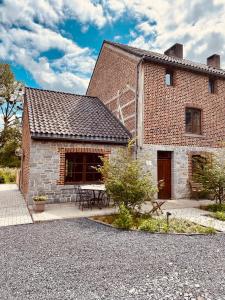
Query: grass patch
[[219, 215], [215, 207], [159, 224], [218, 210], [8, 175]]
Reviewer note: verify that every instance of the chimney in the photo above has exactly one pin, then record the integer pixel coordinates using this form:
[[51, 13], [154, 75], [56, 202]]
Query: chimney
[[176, 50], [214, 61]]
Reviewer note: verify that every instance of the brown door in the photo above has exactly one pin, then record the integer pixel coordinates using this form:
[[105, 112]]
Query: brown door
[[164, 173]]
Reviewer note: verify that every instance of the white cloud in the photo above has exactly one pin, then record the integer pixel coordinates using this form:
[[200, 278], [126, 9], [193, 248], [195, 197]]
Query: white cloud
[[198, 24], [146, 28], [28, 28]]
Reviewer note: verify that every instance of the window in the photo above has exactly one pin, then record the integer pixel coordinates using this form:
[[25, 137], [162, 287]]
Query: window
[[169, 77], [193, 120], [211, 86], [80, 167]]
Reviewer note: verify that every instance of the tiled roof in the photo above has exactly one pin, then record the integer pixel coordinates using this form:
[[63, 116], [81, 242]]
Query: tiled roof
[[162, 58], [54, 115]]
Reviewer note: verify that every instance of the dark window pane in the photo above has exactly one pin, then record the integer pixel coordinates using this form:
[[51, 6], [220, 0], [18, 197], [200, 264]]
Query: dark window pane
[[169, 78], [80, 167], [211, 86], [193, 120]]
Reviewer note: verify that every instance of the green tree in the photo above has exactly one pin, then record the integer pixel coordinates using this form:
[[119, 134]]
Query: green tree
[[11, 92], [212, 178], [126, 180], [10, 140]]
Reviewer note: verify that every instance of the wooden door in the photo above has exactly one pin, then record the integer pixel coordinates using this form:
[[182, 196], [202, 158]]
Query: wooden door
[[164, 173]]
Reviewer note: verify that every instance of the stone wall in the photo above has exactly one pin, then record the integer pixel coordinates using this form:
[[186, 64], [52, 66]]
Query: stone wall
[[45, 168], [180, 164]]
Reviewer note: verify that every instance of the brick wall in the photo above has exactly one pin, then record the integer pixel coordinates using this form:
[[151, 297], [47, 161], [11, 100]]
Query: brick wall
[[26, 152], [164, 108], [47, 166], [114, 82]]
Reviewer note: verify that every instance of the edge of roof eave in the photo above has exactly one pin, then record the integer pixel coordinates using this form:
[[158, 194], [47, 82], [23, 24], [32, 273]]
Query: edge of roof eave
[[183, 66], [44, 136], [159, 60]]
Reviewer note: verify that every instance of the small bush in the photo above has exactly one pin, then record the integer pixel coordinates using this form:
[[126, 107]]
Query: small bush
[[152, 225], [220, 215], [40, 198], [124, 219], [7, 175], [175, 226], [216, 207]]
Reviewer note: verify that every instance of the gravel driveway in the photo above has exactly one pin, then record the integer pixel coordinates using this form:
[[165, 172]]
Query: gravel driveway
[[79, 259]]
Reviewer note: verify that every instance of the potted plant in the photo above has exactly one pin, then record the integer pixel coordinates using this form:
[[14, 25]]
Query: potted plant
[[39, 203]]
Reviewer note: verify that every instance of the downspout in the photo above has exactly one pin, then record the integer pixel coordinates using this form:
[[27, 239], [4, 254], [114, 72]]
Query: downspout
[[137, 95]]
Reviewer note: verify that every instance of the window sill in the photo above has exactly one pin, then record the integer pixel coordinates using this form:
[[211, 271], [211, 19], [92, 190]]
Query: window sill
[[193, 135]]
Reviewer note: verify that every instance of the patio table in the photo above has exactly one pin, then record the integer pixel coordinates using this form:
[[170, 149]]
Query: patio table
[[100, 188]]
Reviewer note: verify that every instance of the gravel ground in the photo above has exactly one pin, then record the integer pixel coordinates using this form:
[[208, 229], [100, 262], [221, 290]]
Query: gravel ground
[[80, 259]]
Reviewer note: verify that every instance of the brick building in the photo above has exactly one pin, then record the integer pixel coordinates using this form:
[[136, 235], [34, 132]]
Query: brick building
[[63, 136], [175, 107]]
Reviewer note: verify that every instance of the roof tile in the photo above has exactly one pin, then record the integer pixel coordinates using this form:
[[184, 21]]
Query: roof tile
[[72, 116]]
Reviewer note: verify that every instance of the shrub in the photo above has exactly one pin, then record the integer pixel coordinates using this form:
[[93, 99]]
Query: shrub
[[8, 175], [212, 178], [175, 225], [150, 225], [126, 180], [124, 219], [216, 207], [40, 198], [220, 215]]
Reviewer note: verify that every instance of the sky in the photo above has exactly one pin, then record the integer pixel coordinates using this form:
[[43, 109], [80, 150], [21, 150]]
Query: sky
[[53, 44]]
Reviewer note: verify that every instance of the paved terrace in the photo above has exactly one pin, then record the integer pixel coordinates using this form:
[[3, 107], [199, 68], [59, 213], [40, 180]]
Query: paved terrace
[[13, 209]]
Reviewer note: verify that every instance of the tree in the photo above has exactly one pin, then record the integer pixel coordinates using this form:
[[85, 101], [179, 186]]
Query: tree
[[10, 140], [11, 92], [126, 179], [212, 178]]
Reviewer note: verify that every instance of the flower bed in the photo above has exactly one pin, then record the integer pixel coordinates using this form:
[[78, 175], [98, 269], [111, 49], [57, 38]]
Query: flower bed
[[157, 224], [217, 211]]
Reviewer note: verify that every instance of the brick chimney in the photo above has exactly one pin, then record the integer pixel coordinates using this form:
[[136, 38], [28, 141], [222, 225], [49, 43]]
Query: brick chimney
[[176, 50], [214, 61]]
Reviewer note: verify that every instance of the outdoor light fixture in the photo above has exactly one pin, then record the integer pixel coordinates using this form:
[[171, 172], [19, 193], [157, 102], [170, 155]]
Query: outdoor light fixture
[[18, 152], [168, 214]]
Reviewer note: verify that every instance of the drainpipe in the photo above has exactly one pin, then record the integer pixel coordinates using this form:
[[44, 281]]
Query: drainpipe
[[137, 95]]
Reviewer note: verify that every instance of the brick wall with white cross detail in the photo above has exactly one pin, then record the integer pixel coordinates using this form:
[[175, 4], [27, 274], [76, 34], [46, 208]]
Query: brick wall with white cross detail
[[114, 83]]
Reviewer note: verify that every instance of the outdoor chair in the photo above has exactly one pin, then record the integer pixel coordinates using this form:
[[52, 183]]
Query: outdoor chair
[[156, 207], [84, 198], [196, 189], [105, 198]]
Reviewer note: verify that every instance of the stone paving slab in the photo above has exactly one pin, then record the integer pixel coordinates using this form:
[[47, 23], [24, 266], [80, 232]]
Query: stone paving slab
[[198, 216], [13, 209], [68, 211]]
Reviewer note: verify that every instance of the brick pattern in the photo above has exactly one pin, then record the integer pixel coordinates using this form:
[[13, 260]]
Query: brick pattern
[[26, 152], [114, 83], [63, 151], [164, 108]]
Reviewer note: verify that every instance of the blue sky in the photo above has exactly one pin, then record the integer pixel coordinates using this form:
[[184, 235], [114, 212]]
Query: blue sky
[[53, 44]]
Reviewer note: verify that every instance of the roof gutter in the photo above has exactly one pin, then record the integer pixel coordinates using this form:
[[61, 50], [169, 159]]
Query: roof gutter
[[103, 140]]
